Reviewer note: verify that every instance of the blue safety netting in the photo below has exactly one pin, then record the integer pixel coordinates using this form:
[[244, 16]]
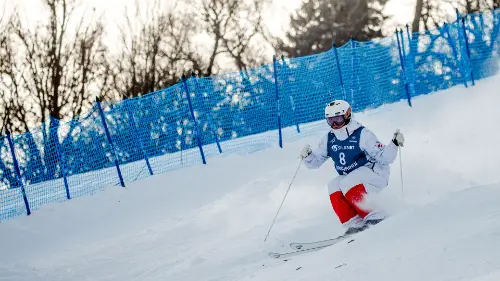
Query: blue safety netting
[[483, 37], [436, 60], [116, 143]]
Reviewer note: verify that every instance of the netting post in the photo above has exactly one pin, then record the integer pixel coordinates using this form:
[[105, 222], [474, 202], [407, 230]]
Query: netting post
[[210, 121], [280, 135], [136, 131], [293, 105], [339, 70], [455, 52], [110, 141], [463, 33], [60, 158], [196, 129], [18, 172], [411, 80], [468, 51], [481, 21], [495, 26], [401, 59]]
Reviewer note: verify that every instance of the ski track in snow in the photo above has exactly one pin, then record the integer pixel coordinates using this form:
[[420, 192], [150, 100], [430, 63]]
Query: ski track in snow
[[208, 222]]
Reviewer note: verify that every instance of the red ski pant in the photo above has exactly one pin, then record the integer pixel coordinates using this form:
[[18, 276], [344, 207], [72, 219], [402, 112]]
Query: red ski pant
[[347, 192]]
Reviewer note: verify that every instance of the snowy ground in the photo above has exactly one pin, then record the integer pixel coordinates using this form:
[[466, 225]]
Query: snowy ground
[[208, 222]]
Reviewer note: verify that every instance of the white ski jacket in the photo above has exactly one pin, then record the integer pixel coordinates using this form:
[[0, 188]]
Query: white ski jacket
[[380, 156]]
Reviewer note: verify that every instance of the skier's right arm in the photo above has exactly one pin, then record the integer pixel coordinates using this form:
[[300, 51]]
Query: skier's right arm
[[313, 159]]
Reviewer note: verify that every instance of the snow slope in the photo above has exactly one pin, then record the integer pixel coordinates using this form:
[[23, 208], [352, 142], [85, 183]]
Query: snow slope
[[209, 222]]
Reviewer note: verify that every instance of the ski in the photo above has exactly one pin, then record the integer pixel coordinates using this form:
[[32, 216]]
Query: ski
[[302, 248], [328, 242], [289, 254], [307, 247], [323, 243]]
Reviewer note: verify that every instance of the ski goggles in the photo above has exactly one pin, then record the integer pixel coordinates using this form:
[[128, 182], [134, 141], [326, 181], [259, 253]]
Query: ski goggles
[[336, 122]]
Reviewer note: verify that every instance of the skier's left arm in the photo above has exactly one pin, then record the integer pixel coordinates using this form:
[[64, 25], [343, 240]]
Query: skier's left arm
[[384, 154]]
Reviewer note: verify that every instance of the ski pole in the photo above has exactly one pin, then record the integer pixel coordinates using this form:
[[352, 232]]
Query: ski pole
[[283, 200], [401, 170]]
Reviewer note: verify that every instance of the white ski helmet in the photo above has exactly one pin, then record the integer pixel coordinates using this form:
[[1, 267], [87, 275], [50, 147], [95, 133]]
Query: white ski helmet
[[338, 114]]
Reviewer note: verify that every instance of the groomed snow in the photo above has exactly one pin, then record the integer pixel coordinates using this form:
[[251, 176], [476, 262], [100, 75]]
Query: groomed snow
[[208, 222]]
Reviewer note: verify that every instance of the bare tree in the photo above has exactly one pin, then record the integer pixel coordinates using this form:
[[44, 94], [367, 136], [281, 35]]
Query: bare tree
[[50, 70], [15, 104], [430, 13], [472, 6], [5, 65], [155, 50], [157, 44], [248, 26], [417, 15], [235, 27], [60, 73]]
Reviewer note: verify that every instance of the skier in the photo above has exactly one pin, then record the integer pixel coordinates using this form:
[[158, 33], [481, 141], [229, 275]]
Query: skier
[[361, 161]]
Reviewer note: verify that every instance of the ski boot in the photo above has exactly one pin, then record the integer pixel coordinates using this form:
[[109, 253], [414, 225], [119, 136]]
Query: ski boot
[[373, 222]]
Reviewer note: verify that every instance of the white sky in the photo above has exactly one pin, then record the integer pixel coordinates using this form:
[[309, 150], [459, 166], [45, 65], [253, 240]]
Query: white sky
[[276, 17]]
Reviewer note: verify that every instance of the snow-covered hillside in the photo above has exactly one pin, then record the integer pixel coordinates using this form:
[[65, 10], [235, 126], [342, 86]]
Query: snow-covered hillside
[[208, 222]]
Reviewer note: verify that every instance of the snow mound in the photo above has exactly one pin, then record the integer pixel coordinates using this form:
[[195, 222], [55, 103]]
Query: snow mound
[[208, 222], [456, 238]]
